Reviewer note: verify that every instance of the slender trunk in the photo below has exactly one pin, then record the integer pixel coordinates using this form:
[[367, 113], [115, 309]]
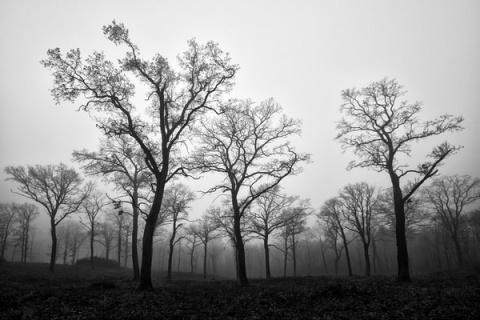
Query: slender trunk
[[170, 255], [347, 254], [191, 258], [53, 254], [92, 239], [267, 257], [294, 256], [126, 247], [205, 259], [119, 243], [367, 259]]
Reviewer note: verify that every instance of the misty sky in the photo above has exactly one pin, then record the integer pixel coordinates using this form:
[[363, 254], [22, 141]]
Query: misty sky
[[301, 53]]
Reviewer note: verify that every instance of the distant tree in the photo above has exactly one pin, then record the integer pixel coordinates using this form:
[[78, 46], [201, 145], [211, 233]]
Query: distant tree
[[65, 240], [106, 235], [176, 202], [297, 224], [248, 145], [361, 209], [206, 232], [92, 207], [332, 212], [193, 241], [175, 101], [121, 162], [8, 215], [27, 212], [267, 217], [380, 129], [78, 239], [449, 195], [56, 187], [215, 249]]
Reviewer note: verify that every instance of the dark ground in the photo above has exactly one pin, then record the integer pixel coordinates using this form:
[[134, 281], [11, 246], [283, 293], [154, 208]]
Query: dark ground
[[30, 292]]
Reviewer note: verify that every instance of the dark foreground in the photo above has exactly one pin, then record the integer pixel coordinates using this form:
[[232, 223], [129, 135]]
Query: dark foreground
[[80, 293]]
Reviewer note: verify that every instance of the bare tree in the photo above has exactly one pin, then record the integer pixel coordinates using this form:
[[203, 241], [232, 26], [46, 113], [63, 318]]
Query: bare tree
[[121, 162], [248, 145], [361, 207], [56, 187], [92, 207], [8, 219], [449, 195], [27, 212], [297, 224], [215, 249], [332, 212], [193, 241], [380, 129], [106, 235], [268, 216], [175, 206], [206, 232], [78, 239], [175, 101]]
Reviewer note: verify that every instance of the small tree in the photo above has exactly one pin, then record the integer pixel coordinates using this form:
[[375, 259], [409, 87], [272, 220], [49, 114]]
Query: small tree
[[193, 241], [8, 215], [297, 224], [56, 187], [206, 232], [449, 195], [175, 206], [27, 212], [92, 207], [361, 208], [268, 216], [248, 145], [332, 212], [380, 129]]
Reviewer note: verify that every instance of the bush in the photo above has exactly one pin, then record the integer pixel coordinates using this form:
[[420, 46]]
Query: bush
[[98, 263]]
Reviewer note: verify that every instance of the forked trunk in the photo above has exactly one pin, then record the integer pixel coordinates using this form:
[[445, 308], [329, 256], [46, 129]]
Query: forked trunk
[[53, 255], [400, 233]]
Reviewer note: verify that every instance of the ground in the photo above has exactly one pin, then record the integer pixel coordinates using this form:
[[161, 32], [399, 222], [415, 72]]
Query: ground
[[30, 292]]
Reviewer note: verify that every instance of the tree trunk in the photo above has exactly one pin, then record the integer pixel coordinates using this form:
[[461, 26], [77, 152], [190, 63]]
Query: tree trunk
[[267, 257], [458, 249], [367, 259], [242, 268], [205, 260], [136, 267], [294, 256], [150, 224], [119, 243], [170, 257], [347, 254], [53, 255], [400, 232], [92, 238]]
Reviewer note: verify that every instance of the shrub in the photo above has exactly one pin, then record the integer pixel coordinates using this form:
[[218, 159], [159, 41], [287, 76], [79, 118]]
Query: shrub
[[98, 263]]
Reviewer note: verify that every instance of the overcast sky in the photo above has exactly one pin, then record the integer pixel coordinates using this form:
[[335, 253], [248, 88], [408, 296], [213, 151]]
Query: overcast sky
[[301, 53]]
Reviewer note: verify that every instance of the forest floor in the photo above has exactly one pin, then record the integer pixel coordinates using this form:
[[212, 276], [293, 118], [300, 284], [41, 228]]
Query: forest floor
[[28, 291]]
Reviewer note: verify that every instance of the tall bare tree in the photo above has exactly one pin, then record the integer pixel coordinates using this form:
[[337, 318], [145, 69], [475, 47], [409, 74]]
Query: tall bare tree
[[380, 129], [449, 195], [248, 144], [193, 241], [56, 187], [121, 162], [268, 216], [297, 224], [175, 100]]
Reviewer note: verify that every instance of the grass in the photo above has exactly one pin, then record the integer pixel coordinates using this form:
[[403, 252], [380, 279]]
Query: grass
[[30, 292]]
